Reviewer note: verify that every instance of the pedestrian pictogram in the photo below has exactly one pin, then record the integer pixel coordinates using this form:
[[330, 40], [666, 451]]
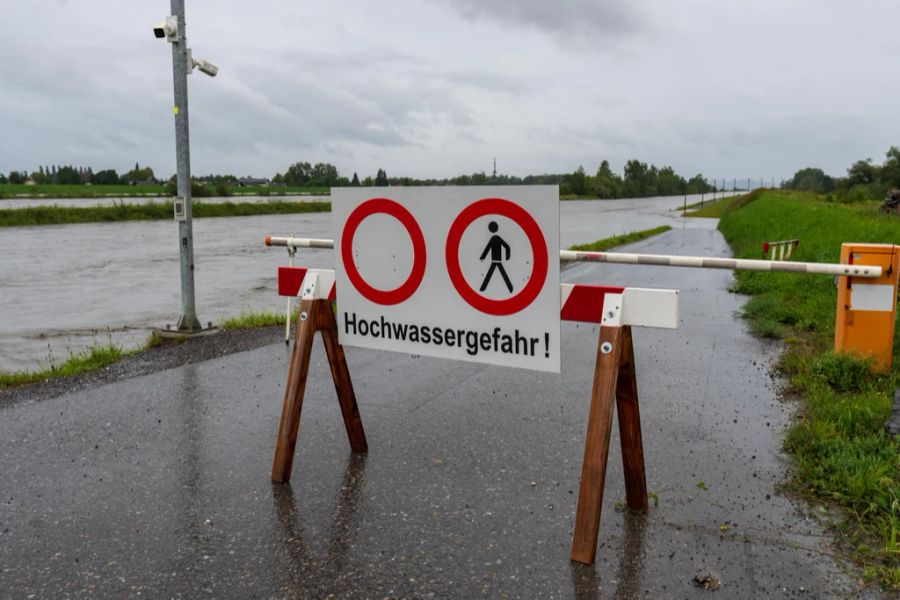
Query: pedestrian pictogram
[[496, 247], [453, 272]]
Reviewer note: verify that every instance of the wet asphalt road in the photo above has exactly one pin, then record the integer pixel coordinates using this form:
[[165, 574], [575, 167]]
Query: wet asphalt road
[[159, 486]]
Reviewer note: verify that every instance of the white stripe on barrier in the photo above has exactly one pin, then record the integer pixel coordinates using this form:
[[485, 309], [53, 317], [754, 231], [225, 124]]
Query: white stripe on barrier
[[317, 284], [650, 308], [868, 296], [662, 260]]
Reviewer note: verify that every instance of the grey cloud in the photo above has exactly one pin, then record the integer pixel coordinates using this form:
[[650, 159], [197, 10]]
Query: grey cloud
[[564, 17]]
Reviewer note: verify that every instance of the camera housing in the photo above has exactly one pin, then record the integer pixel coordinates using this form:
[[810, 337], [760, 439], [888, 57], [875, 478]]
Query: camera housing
[[167, 28], [206, 67]]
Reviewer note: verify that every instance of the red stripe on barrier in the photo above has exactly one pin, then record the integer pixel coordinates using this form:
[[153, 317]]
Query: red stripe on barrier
[[289, 280], [585, 303]]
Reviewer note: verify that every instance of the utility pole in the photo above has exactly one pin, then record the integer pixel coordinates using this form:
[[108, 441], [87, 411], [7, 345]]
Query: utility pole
[[188, 321]]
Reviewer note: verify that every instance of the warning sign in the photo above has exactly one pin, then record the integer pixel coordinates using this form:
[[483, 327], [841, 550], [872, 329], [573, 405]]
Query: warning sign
[[470, 273]]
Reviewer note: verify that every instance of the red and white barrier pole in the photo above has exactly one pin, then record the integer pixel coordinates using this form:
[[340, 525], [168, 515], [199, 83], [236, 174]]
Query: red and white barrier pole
[[660, 260]]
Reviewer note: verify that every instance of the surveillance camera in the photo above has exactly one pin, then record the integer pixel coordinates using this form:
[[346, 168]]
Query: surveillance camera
[[167, 28], [206, 67]]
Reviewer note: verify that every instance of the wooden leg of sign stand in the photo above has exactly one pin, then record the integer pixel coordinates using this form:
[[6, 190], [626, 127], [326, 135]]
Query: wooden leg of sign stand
[[319, 317], [614, 378]]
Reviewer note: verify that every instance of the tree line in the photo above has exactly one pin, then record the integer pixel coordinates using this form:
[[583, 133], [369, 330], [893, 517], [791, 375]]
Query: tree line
[[638, 179], [864, 180], [69, 175]]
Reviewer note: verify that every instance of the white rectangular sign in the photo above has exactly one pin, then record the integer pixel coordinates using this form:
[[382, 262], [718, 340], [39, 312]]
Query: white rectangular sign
[[470, 273]]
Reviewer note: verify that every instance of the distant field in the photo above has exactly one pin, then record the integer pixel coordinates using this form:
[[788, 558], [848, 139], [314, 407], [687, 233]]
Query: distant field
[[11, 190]]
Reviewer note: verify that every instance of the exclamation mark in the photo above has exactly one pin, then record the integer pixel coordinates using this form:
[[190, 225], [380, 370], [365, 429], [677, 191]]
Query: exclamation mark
[[546, 345]]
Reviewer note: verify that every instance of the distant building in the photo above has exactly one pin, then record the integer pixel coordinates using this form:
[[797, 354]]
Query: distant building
[[244, 181]]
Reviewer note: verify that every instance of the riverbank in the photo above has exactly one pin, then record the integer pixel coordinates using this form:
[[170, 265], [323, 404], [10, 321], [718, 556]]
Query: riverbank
[[155, 357], [843, 457]]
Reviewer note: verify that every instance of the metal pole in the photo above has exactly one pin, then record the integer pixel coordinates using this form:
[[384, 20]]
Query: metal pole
[[188, 321], [660, 260]]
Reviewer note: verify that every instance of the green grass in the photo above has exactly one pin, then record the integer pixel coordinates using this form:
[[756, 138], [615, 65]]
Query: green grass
[[620, 240], [56, 215], [713, 210], [263, 318], [98, 356], [92, 358], [842, 453], [95, 357]]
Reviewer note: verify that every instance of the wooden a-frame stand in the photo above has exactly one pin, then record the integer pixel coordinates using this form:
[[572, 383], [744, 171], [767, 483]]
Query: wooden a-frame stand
[[314, 315], [614, 377]]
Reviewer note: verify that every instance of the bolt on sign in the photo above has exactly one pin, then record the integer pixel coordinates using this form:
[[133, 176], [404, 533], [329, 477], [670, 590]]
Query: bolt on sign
[[469, 273]]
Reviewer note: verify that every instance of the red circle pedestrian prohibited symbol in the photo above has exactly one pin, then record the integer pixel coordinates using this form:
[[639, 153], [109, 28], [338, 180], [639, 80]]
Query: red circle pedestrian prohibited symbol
[[514, 212], [396, 210]]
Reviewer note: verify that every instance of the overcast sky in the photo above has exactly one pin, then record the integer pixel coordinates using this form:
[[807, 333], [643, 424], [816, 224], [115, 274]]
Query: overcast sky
[[439, 87]]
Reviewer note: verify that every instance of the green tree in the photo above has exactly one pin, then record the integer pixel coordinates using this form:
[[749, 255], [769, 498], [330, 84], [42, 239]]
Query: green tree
[[105, 177], [323, 175], [636, 180], [669, 183], [890, 170], [811, 179], [606, 184], [41, 176], [698, 185], [298, 173], [381, 178], [137, 174], [862, 172], [577, 182], [355, 181], [68, 175], [16, 177]]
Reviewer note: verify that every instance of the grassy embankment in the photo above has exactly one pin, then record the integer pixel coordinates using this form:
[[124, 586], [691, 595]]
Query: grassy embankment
[[20, 190], [715, 209], [92, 358], [99, 356], [57, 215], [843, 456], [620, 240]]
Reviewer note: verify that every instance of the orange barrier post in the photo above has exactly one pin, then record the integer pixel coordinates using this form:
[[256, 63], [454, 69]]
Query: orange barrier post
[[867, 308]]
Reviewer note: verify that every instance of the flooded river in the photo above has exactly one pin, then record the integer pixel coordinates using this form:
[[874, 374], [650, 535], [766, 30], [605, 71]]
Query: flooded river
[[65, 287]]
